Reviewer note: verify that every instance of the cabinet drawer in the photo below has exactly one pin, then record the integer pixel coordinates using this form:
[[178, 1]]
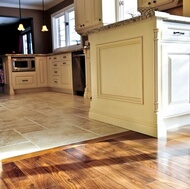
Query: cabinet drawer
[[55, 64], [66, 62], [55, 71], [55, 82], [66, 56], [24, 80], [20, 82], [55, 58], [176, 32]]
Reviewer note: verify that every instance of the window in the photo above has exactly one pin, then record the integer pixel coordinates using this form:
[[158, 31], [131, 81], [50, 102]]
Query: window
[[27, 47], [63, 27], [126, 9]]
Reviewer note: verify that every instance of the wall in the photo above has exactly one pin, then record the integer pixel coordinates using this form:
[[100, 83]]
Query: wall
[[42, 40], [39, 37], [176, 11], [48, 21]]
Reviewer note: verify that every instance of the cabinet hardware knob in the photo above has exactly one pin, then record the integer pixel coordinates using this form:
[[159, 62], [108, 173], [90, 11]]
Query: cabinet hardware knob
[[180, 33], [154, 1], [55, 64], [149, 3], [24, 80], [64, 63], [64, 56]]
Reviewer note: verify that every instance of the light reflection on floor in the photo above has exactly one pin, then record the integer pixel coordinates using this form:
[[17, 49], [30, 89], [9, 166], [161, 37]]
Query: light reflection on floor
[[39, 121]]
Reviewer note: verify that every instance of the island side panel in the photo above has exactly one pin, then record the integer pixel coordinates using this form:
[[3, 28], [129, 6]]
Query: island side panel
[[123, 77]]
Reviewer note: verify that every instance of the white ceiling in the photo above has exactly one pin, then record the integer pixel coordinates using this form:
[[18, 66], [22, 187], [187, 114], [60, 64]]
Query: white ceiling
[[29, 4]]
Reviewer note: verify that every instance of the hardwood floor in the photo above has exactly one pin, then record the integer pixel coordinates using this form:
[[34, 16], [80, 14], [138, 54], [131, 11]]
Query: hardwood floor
[[128, 160]]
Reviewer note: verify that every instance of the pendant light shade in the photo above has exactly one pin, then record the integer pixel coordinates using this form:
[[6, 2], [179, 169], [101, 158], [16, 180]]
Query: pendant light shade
[[20, 27], [44, 27]]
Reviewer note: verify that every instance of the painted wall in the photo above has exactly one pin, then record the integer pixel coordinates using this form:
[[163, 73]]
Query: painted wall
[[48, 21], [42, 40], [39, 37]]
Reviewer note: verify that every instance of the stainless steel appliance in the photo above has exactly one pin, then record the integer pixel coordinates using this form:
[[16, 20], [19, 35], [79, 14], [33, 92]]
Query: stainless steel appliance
[[23, 64], [78, 68]]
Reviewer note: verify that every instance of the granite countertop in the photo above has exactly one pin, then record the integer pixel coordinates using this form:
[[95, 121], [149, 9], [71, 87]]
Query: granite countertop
[[145, 14], [48, 54]]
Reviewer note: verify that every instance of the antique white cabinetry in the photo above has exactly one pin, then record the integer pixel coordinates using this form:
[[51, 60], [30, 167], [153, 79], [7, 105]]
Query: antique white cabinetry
[[24, 80], [53, 71], [160, 4], [41, 71], [93, 13], [60, 72], [141, 78], [32, 79], [175, 50]]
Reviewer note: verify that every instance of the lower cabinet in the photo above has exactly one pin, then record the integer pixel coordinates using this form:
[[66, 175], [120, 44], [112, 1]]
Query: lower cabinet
[[60, 72], [41, 71], [175, 83], [54, 72], [24, 80], [66, 74]]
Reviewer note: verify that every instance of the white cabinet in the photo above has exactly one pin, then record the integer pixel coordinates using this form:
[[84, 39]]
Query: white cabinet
[[53, 71], [175, 51], [93, 13], [24, 80], [82, 14], [66, 74], [176, 80], [41, 71], [60, 72], [160, 4]]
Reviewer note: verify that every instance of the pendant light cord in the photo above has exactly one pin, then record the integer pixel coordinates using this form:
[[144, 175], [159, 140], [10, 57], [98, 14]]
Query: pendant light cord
[[43, 11], [19, 9]]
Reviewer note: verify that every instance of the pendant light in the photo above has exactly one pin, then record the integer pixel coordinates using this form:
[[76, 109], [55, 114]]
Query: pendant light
[[20, 27], [44, 27]]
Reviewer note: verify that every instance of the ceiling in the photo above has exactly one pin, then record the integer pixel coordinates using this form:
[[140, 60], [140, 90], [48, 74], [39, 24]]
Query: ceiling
[[29, 4]]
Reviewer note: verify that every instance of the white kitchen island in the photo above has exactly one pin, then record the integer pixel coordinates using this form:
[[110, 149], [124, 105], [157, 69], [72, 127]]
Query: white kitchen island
[[140, 71]]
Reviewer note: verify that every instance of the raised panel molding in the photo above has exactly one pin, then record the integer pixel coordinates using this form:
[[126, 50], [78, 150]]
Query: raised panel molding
[[176, 80], [178, 74], [120, 70]]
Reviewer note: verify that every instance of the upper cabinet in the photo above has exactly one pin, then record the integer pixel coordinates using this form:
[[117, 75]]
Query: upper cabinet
[[90, 14], [159, 4]]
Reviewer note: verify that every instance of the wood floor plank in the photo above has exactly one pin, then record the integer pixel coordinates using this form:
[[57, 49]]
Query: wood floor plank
[[38, 176], [129, 160]]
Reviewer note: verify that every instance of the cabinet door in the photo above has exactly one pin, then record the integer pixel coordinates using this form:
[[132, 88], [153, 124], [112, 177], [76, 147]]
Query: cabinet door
[[82, 14], [96, 12], [41, 71], [24, 80], [153, 3], [175, 79], [88, 13], [66, 74]]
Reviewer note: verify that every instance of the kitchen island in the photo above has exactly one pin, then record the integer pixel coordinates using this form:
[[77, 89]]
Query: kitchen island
[[140, 72]]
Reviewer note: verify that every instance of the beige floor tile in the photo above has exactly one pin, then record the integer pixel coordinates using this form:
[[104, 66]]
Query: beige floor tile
[[36, 121], [10, 137], [59, 136], [17, 149]]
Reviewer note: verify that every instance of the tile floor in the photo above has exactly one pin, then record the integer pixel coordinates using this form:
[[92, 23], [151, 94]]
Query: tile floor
[[37, 121]]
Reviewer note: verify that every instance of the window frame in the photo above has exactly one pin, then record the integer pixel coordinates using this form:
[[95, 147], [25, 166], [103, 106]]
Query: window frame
[[55, 15]]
